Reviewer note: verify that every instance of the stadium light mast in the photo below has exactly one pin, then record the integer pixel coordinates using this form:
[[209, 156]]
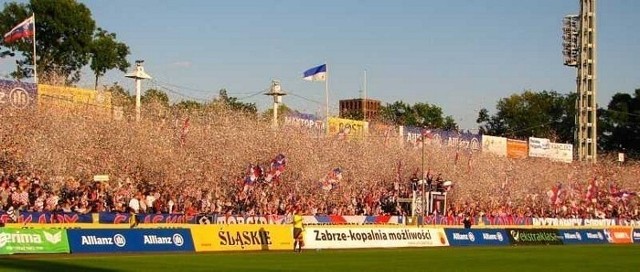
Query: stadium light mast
[[138, 75], [579, 50], [276, 92]]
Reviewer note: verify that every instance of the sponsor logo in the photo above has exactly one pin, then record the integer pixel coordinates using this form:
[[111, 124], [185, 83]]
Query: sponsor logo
[[620, 235], [244, 238], [443, 238], [120, 240], [516, 235], [472, 238], [178, 240], [538, 236], [19, 238], [572, 236], [92, 240], [595, 236], [157, 240], [492, 237], [460, 237], [636, 235], [53, 238]]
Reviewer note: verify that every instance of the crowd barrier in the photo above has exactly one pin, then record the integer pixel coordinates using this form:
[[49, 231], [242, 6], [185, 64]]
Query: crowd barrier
[[123, 219], [265, 237]]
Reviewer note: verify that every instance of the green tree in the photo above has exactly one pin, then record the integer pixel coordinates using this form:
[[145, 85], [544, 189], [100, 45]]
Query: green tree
[[418, 115], [283, 110], [233, 103], [619, 126], [107, 53], [395, 112], [155, 96], [119, 96], [545, 114], [188, 105], [64, 31]]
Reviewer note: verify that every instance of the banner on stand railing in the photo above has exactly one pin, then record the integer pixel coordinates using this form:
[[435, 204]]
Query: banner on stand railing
[[477, 237], [372, 237]]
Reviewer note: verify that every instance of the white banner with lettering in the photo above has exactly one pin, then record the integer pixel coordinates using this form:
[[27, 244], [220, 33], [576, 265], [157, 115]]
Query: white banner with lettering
[[373, 237], [494, 145], [561, 152], [539, 147]]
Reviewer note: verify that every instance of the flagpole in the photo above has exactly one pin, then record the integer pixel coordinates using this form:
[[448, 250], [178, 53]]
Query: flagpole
[[326, 96], [364, 102], [35, 67]]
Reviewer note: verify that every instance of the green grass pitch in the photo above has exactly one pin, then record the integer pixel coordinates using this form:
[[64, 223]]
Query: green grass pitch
[[606, 258]]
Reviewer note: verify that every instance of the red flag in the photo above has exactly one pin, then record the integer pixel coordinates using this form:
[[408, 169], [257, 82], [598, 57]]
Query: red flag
[[22, 30]]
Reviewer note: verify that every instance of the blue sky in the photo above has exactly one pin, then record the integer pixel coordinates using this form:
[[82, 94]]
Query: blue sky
[[459, 55]]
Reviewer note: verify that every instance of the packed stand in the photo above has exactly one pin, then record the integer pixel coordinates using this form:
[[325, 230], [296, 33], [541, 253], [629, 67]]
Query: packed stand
[[157, 166]]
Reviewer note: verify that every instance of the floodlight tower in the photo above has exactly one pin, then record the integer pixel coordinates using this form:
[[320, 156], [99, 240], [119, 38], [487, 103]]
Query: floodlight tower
[[276, 92], [138, 75], [579, 50]]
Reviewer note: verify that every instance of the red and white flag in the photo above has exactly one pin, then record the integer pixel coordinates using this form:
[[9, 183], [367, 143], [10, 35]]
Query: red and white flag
[[23, 30]]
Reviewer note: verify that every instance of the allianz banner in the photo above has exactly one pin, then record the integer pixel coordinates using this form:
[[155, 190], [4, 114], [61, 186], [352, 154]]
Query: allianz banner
[[33, 241], [373, 237], [582, 236], [534, 237], [16, 95], [130, 240], [635, 234], [477, 237]]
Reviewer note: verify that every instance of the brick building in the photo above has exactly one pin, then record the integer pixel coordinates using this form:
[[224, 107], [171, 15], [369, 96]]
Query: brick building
[[350, 106]]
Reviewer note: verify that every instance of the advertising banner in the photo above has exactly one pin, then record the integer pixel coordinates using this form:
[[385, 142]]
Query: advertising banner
[[485, 220], [352, 220], [347, 128], [123, 218], [44, 218], [17, 95], [618, 235], [494, 145], [539, 147], [73, 98], [477, 237], [636, 236], [373, 237], [130, 240], [33, 241], [304, 121], [242, 237], [247, 219], [384, 133], [561, 152], [465, 141], [517, 149], [582, 236], [534, 237]]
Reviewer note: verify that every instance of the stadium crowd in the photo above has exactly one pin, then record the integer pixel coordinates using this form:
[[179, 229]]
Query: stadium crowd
[[172, 163]]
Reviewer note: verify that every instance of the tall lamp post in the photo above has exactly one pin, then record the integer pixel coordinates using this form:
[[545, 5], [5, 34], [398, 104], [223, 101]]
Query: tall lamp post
[[138, 75], [276, 92]]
